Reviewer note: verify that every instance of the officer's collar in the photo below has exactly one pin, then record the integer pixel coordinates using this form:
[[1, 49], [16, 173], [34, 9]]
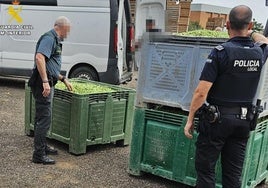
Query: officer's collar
[[240, 39], [56, 35]]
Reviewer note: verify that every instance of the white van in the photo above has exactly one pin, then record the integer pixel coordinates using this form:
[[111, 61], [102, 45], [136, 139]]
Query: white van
[[99, 46]]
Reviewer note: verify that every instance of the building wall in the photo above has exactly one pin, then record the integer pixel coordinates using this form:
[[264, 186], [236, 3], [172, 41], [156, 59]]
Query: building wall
[[199, 17], [209, 16], [204, 17]]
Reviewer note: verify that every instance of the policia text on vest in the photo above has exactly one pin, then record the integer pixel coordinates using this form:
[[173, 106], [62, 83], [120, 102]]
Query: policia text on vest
[[251, 65]]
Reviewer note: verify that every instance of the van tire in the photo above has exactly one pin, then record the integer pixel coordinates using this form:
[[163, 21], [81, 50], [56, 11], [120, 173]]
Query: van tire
[[85, 73]]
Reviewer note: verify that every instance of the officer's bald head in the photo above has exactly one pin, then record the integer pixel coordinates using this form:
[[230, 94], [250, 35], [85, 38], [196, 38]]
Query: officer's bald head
[[240, 16], [62, 26], [62, 21]]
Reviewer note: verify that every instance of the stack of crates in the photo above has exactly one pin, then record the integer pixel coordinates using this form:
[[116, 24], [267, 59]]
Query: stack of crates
[[169, 72], [80, 120], [215, 22], [172, 15], [184, 15]]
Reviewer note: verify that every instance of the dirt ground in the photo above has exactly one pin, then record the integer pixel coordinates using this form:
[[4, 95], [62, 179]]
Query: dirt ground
[[101, 166]]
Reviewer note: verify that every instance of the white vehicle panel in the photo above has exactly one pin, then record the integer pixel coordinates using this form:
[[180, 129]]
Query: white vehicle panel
[[87, 36]]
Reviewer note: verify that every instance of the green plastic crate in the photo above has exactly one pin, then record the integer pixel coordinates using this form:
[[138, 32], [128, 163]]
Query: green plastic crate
[[159, 147], [256, 161], [82, 120], [29, 108]]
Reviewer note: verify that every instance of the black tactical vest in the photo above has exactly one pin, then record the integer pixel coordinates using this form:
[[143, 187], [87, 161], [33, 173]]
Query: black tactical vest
[[237, 84]]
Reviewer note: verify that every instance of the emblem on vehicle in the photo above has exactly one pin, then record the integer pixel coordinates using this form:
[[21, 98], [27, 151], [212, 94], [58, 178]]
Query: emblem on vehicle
[[14, 12]]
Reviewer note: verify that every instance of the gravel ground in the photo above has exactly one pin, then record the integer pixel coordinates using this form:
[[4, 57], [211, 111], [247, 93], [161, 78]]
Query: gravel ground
[[101, 166]]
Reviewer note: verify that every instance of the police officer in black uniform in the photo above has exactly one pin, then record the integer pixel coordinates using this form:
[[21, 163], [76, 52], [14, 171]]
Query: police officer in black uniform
[[44, 77], [228, 83]]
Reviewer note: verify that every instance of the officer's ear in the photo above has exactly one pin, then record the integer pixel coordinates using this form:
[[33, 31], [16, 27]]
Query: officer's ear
[[228, 25], [250, 25]]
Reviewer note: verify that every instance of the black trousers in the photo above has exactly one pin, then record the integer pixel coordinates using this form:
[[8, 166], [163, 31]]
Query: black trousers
[[43, 106], [228, 139]]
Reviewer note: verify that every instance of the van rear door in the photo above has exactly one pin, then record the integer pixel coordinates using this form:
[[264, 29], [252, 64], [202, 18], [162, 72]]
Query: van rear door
[[125, 43], [153, 10]]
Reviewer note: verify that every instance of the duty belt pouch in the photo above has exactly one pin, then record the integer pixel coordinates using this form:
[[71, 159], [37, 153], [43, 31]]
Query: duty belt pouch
[[212, 113], [209, 113], [251, 113], [254, 113]]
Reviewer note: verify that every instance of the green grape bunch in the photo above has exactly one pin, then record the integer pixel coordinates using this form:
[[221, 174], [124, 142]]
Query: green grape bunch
[[204, 33], [83, 88]]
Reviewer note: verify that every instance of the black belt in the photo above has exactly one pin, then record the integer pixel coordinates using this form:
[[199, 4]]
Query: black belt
[[230, 110]]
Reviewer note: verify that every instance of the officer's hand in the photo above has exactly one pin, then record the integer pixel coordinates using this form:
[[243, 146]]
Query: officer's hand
[[46, 89], [188, 129], [68, 85]]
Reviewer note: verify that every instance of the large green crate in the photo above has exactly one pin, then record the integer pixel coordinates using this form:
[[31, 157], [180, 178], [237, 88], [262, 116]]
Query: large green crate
[[82, 120], [160, 147], [256, 161]]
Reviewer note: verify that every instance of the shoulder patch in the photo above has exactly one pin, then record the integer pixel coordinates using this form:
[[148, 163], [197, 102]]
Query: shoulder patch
[[219, 47], [208, 60]]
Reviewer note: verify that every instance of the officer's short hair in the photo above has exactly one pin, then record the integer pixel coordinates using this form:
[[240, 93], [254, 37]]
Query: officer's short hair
[[240, 16], [62, 21]]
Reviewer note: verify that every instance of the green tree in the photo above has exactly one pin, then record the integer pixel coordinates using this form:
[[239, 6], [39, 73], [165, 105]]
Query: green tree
[[257, 26]]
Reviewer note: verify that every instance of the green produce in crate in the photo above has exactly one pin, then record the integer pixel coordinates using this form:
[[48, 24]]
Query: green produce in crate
[[204, 33], [85, 88]]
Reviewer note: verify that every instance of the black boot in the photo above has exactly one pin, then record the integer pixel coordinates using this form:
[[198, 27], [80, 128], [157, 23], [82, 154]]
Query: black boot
[[43, 159]]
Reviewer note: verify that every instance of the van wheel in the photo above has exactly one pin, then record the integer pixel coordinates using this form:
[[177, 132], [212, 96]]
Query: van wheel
[[85, 73]]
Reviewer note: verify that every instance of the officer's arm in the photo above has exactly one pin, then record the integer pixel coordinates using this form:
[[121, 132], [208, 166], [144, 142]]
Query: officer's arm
[[199, 98], [257, 37], [41, 66]]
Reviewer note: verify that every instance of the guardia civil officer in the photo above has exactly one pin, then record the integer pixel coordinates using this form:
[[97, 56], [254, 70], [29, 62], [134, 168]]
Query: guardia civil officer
[[228, 84], [45, 75]]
